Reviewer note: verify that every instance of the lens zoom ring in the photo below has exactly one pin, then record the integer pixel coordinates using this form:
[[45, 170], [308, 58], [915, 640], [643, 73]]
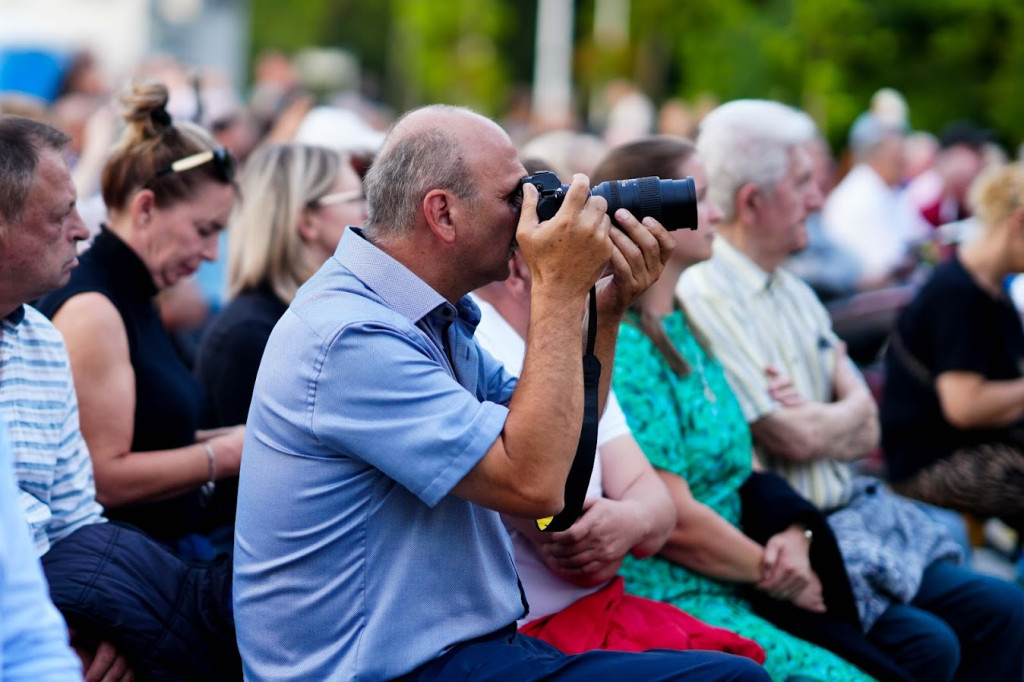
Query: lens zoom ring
[[649, 190]]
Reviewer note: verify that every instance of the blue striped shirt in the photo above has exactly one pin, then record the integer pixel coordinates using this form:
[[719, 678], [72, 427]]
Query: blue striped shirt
[[37, 399]]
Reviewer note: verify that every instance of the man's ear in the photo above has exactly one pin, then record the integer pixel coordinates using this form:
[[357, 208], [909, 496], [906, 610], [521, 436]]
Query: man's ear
[[142, 207], [437, 209], [749, 201]]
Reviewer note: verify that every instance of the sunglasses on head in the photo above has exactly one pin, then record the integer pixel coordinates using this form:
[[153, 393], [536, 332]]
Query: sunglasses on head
[[223, 164], [348, 196]]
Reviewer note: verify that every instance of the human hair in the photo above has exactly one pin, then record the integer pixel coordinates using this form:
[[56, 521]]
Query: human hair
[[21, 141], [996, 193], [150, 143], [264, 245], [659, 155], [747, 141], [409, 165]]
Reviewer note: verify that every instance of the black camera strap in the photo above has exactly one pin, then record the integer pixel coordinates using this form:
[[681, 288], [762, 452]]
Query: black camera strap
[[583, 463]]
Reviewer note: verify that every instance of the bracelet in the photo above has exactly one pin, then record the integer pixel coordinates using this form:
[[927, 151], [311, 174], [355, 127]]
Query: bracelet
[[212, 461]]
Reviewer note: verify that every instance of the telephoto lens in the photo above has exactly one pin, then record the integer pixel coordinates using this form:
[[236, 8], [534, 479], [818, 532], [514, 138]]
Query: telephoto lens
[[673, 203]]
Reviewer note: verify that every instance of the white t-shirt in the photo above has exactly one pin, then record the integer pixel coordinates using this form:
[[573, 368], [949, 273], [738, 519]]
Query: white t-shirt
[[873, 221], [546, 593]]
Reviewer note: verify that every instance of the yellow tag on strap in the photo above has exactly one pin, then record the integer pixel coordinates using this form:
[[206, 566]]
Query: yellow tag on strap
[[542, 524]]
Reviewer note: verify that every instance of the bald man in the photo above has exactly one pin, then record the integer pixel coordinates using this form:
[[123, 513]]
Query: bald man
[[383, 444]]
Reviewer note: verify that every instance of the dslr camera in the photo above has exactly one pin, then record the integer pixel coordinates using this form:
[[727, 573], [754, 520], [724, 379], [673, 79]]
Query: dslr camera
[[673, 203]]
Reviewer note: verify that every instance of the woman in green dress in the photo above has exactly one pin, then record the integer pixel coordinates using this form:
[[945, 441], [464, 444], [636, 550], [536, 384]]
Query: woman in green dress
[[689, 424]]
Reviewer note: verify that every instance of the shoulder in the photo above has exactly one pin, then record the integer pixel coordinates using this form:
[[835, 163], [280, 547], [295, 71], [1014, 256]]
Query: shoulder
[[246, 316], [38, 329], [799, 290], [91, 325], [33, 353]]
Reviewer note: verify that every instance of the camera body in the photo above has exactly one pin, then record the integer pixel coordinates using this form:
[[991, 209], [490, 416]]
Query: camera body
[[673, 203]]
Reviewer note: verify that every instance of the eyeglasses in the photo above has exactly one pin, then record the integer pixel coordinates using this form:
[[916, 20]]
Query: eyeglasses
[[348, 196], [223, 164]]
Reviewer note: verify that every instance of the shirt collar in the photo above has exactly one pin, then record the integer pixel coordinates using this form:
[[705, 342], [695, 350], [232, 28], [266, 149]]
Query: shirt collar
[[15, 317], [123, 263], [748, 273], [396, 285]]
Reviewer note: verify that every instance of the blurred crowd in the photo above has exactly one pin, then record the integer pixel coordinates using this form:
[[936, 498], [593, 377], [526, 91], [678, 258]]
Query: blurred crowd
[[812, 399]]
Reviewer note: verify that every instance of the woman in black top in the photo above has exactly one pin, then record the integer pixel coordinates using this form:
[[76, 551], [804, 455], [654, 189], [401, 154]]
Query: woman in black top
[[296, 202], [953, 404], [168, 190]]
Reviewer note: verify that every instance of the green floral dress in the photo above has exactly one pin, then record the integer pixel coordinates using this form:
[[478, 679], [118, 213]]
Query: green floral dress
[[692, 426]]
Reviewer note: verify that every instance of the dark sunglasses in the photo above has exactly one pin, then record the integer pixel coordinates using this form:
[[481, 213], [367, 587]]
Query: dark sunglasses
[[223, 164]]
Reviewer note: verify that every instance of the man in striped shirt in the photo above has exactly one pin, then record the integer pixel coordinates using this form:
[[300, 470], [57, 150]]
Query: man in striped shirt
[[39, 232], [112, 582], [812, 415]]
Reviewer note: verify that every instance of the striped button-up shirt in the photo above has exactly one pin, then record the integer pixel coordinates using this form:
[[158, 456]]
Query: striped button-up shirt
[[755, 320], [38, 404]]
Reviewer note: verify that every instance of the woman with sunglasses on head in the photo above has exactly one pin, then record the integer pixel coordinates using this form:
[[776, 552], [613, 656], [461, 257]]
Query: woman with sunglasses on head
[[169, 191], [297, 200]]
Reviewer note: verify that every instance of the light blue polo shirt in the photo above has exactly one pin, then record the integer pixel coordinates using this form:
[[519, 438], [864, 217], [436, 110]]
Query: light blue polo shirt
[[352, 560]]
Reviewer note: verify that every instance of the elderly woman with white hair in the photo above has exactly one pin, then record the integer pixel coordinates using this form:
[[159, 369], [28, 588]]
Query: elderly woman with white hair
[[953, 410]]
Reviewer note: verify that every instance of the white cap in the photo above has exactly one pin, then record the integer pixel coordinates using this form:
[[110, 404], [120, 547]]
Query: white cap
[[339, 129]]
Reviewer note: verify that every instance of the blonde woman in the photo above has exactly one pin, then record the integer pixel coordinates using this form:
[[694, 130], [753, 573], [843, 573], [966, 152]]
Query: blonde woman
[[168, 189], [297, 201], [953, 408]]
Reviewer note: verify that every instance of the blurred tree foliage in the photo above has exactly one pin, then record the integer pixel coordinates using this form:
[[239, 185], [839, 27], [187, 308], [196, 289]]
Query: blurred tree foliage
[[950, 58]]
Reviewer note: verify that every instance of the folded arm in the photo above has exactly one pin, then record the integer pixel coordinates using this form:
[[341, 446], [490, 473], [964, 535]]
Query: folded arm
[[844, 429]]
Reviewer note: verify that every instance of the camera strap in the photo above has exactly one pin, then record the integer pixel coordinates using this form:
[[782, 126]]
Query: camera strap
[[583, 463]]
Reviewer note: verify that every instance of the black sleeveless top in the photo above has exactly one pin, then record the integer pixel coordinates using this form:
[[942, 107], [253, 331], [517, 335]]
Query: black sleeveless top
[[168, 399]]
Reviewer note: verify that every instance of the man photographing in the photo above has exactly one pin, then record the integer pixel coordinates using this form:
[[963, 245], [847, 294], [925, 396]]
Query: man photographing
[[383, 444]]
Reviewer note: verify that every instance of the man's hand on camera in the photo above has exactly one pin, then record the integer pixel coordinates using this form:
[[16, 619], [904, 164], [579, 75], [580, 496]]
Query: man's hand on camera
[[567, 253], [639, 256]]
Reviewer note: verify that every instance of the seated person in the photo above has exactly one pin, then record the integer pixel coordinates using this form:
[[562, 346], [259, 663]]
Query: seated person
[[812, 415], [571, 577], [296, 202], [765, 582], [953, 408], [383, 445], [868, 215], [129, 600], [168, 191]]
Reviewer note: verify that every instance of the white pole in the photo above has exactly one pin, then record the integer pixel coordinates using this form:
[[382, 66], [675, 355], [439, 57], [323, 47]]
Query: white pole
[[552, 66]]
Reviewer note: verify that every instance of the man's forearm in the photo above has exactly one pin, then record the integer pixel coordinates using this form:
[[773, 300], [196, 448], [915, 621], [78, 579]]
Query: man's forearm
[[546, 409], [844, 430]]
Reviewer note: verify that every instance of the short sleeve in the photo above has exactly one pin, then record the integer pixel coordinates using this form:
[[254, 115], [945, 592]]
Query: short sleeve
[[613, 422], [381, 398], [953, 323]]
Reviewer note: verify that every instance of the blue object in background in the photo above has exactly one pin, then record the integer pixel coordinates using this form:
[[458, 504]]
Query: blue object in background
[[32, 71]]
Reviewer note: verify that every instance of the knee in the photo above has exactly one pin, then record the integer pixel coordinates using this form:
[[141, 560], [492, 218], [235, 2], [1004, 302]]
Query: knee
[[935, 653], [929, 651], [723, 667], [1002, 608]]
